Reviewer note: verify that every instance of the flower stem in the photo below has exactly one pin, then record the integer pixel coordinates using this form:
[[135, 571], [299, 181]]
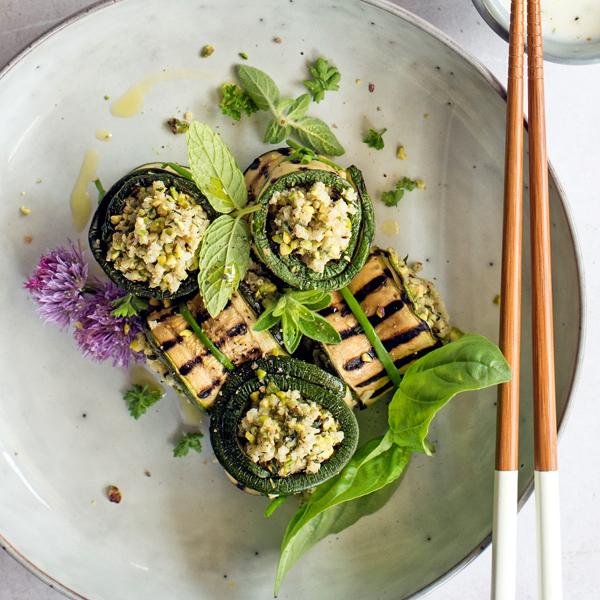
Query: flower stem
[[382, 353]]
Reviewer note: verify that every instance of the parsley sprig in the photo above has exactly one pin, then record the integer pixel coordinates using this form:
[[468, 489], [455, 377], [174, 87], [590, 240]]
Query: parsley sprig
[[375, 140], [235, 100], [324, 78], [140, 399], [187, 442], [297, 312], [394, 196], [128, 306]]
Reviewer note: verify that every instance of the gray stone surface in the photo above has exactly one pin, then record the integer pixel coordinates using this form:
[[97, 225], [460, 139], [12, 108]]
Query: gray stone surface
[[573, 132]]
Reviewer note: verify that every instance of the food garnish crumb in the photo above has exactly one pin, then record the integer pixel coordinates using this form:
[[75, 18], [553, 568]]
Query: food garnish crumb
[[24, 210], [379, 108], [371, 87], [22, 193], [207, 51], [497, 300], [39, 181], [417, 267], [401, 153], [107, 97], [148, 474], [114, 494], [426, 116], [334, 125], [358, 81], [28, 239], [420, 184], [188, 115], [278, 40], [244, 55]]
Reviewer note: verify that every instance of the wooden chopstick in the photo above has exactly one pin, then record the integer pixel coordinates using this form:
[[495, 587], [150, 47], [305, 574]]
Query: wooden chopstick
[[544, 398], [504, 539]]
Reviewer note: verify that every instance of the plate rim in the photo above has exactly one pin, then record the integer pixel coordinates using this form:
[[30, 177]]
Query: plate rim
[[495, 83]]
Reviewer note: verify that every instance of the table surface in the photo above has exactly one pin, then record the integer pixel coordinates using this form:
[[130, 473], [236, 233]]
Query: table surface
[[571, 101]]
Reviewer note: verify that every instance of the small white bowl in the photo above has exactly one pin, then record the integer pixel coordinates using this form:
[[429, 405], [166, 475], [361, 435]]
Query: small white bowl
[[496, 13]]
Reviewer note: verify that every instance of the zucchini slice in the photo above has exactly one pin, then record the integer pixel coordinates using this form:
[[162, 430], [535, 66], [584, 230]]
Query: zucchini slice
[[102, 227], [285, 374], [407, 313], [271, 173], [197, 373]]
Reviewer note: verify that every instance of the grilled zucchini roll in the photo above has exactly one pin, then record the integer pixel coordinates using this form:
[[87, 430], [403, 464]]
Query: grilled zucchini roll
[[408, 316], [147, 231], [192, 367], [281, 426], [315, 226]]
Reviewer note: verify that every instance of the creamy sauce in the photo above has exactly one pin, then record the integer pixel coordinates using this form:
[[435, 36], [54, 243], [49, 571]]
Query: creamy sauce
[[192, 413], [130, 103], [103, 134], [81, 204], [569, 21], [390, 227]]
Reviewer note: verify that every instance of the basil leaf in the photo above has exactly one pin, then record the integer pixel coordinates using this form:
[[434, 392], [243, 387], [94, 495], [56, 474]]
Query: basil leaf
[[299, 107], [260, 87], [224, 257], [470, 363], [360, 489], [214, 169], [276, 132], [318, 328], [314, 132]]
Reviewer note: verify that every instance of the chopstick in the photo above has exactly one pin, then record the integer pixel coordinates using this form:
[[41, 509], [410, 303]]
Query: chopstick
[[544, 398], [506, 476]]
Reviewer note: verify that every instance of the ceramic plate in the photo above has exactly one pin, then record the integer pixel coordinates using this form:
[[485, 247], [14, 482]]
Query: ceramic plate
[[65, 434]]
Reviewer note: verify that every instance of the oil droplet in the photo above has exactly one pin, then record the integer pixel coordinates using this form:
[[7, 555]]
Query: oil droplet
[[142, 376], [103, 134], [390, 227], [130, 103], [192, 413], [81, 205]]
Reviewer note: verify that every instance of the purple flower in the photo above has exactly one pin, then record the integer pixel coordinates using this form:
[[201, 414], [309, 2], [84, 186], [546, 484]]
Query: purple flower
[[103, 335], [58, 284]]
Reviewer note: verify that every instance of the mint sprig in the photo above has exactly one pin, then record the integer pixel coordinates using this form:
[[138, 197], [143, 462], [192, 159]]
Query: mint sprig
[[297, 313], [289, 115], [324, 78]]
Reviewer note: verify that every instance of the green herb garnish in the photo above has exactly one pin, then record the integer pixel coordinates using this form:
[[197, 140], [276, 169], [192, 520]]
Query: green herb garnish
[[183, 171], [184, 311], [289, 115], [178, 126], [375, 140], [297, 313], [375, 471], [187, 442], [306, 155], [324, 78], [275, 503], [140, 399], [128, 306], [235, 100], [394, 196], [101, 190]]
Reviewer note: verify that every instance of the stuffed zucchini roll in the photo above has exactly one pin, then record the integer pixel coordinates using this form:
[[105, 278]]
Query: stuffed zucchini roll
[[281, 426], [408, 316], [147, 230], [315, 225], [191, 367]]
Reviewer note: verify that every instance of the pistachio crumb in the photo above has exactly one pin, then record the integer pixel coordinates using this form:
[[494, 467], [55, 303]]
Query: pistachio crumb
[[148, 474], [24, 210], [114, 494], [358, 81], [371, 87], [497, 300], [207, 51], [22, 193], [366, 357], [401, 153], [417, 267], [93, 502], [426, 116], [244, 55], [278, 40], [28, 239], [334, 125], [379, 108], [185, 333], [420, 184], [188, 115], [39, 181], [107, 97]]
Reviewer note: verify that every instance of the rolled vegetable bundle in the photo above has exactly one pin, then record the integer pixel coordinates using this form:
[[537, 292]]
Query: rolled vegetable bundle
[[315, 225]]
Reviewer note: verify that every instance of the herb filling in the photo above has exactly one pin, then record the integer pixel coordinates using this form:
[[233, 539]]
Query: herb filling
[[312, 223], [287, 434], [157, 236]]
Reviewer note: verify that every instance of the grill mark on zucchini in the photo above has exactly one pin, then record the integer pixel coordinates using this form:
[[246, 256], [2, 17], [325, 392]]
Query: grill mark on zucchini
[[239, 329], [358, 362], [405, 337], [388, 310], [373, 285], [330, 310], [168, 344]]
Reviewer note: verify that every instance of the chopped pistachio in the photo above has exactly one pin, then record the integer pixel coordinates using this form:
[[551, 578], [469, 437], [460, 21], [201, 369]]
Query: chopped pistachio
[[420, 184], [24, 210], [207, 51], [278, 40], [284, 249], [188, 115], [260, 373], [185, 333], [28, 239], [107, 97], [358, 81], [135, 345], [178, 126], [401, 153], [114, 494], [244, 55], [497, 299], [426, 116], [366, 357]]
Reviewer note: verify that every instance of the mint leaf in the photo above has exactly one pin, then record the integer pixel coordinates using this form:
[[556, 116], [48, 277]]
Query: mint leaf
[[128, 306], [324, 78], [235, 100], [140, 399], [298, 107], [224, 257], [260, 87], [276, 132], [214, 169], [314, 132], [375, 140], [187, 442]]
